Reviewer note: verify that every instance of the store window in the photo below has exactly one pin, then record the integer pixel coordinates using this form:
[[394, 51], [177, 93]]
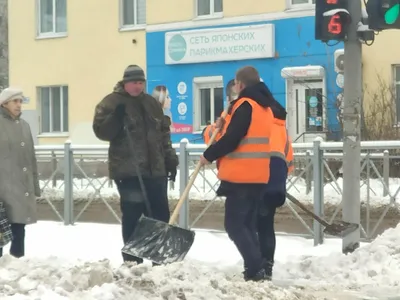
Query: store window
[[208, 100]]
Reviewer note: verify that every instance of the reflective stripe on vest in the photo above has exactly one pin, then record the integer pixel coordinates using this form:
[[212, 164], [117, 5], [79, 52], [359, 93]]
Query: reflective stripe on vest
[[251, 141], [252, 153]]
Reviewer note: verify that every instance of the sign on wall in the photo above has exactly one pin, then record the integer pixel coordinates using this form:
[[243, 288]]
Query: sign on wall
[[174, 100], [220, 44]]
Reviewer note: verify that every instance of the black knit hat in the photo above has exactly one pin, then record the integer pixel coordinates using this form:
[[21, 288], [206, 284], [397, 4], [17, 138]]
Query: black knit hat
[[134, 73]]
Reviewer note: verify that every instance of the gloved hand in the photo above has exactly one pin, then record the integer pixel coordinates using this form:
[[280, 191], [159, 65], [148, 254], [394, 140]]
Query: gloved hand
[[172, 175], [171, 178], [120, 111]]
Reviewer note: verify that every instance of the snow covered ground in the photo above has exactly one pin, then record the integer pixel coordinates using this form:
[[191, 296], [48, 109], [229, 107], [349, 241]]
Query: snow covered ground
[[206, 181], [79, 262]]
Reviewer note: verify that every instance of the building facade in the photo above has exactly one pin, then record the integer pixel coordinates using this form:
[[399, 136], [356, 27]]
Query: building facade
[[195, 60], [381, 68], [68, 56], [3, 44]]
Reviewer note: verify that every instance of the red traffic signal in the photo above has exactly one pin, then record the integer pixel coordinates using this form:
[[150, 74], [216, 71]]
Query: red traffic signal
[[331, 20], [335, 25], [336, 22]]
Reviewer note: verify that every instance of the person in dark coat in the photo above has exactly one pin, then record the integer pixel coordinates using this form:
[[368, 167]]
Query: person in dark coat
[[128, 105]]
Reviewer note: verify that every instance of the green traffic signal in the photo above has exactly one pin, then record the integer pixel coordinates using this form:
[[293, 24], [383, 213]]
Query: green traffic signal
[[392, 14]]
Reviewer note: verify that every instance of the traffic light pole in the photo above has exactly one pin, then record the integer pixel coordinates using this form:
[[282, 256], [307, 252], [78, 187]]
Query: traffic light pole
[[352, 127]]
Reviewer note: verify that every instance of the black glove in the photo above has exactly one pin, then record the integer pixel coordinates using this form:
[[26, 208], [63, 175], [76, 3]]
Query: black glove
[[172, 175], [120, 111]]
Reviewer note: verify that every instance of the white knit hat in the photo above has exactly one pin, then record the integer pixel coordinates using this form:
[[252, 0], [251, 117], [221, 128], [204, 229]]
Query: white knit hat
[[9, 94]]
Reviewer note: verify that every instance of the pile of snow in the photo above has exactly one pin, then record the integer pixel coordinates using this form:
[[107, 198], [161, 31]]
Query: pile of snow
[[88, 267], [54, 279], [373, 265]]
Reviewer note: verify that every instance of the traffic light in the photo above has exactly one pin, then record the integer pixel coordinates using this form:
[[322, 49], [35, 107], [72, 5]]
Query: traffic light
[[331, 20], [383, 14]]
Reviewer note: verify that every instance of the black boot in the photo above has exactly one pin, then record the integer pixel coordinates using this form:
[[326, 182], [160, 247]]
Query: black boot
[[264, 274], [259, 276], [268, 270]]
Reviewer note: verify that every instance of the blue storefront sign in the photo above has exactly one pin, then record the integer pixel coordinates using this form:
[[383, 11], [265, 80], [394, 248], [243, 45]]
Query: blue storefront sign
[[191, 71]]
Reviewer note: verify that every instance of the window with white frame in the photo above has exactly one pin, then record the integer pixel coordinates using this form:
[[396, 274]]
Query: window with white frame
[[209, 8], [53, 109], [209, 100], [52, 17], [301, 3], [133, 13], [396, 82]]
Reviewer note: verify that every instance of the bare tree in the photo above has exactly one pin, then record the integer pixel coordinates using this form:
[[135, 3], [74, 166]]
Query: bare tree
[[3, 44], [380, 112]]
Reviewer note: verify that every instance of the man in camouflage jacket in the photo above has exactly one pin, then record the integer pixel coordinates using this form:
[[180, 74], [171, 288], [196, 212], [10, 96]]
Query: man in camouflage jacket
[[153, 152]]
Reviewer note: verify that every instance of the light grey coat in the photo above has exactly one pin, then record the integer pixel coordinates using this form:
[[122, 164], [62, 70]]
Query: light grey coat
[[19, 184]]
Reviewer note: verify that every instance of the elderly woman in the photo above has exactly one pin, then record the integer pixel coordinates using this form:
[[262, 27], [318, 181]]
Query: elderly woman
[[19, 185]]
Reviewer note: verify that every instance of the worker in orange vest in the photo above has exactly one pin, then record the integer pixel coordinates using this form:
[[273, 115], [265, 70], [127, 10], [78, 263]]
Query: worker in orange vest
[[281, 163], [243, 155]]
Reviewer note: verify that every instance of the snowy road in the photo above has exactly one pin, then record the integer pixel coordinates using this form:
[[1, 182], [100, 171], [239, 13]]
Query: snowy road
[[83, 262]]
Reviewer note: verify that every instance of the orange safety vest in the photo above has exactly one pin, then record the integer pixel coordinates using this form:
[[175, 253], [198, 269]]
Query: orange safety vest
[[249, 162], [208, 132], [281, 144]]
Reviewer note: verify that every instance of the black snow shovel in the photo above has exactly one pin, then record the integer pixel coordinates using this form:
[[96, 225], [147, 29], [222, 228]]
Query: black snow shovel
[[337, 228], [158, 241]]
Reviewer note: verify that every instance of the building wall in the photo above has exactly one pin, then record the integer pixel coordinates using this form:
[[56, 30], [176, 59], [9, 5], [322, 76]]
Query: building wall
[[3, 43], [381, 101], [379, 58], [294, 47], [186, 11], [90, 59]]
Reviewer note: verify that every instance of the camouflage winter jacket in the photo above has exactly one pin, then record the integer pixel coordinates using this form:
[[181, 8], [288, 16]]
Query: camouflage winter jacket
[[150, 132]]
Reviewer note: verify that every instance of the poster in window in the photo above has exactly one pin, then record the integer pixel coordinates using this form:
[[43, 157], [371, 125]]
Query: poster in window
[[174, 104], [314, 110]]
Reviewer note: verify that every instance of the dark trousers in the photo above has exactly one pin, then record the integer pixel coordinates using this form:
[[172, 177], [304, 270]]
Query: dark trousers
[[265, 224], [266, 234], [17, 248], [133, 205], [240, 225]]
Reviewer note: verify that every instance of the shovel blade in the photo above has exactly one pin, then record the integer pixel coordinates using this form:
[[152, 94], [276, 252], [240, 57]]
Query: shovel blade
[[159, 242], [341, 228]]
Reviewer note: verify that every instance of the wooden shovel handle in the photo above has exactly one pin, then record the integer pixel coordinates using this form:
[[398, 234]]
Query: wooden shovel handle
[[185, 193]]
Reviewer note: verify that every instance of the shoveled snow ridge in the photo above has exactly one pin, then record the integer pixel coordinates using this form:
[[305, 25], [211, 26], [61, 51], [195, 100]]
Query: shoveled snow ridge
[[51, 279], [374, 265]]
